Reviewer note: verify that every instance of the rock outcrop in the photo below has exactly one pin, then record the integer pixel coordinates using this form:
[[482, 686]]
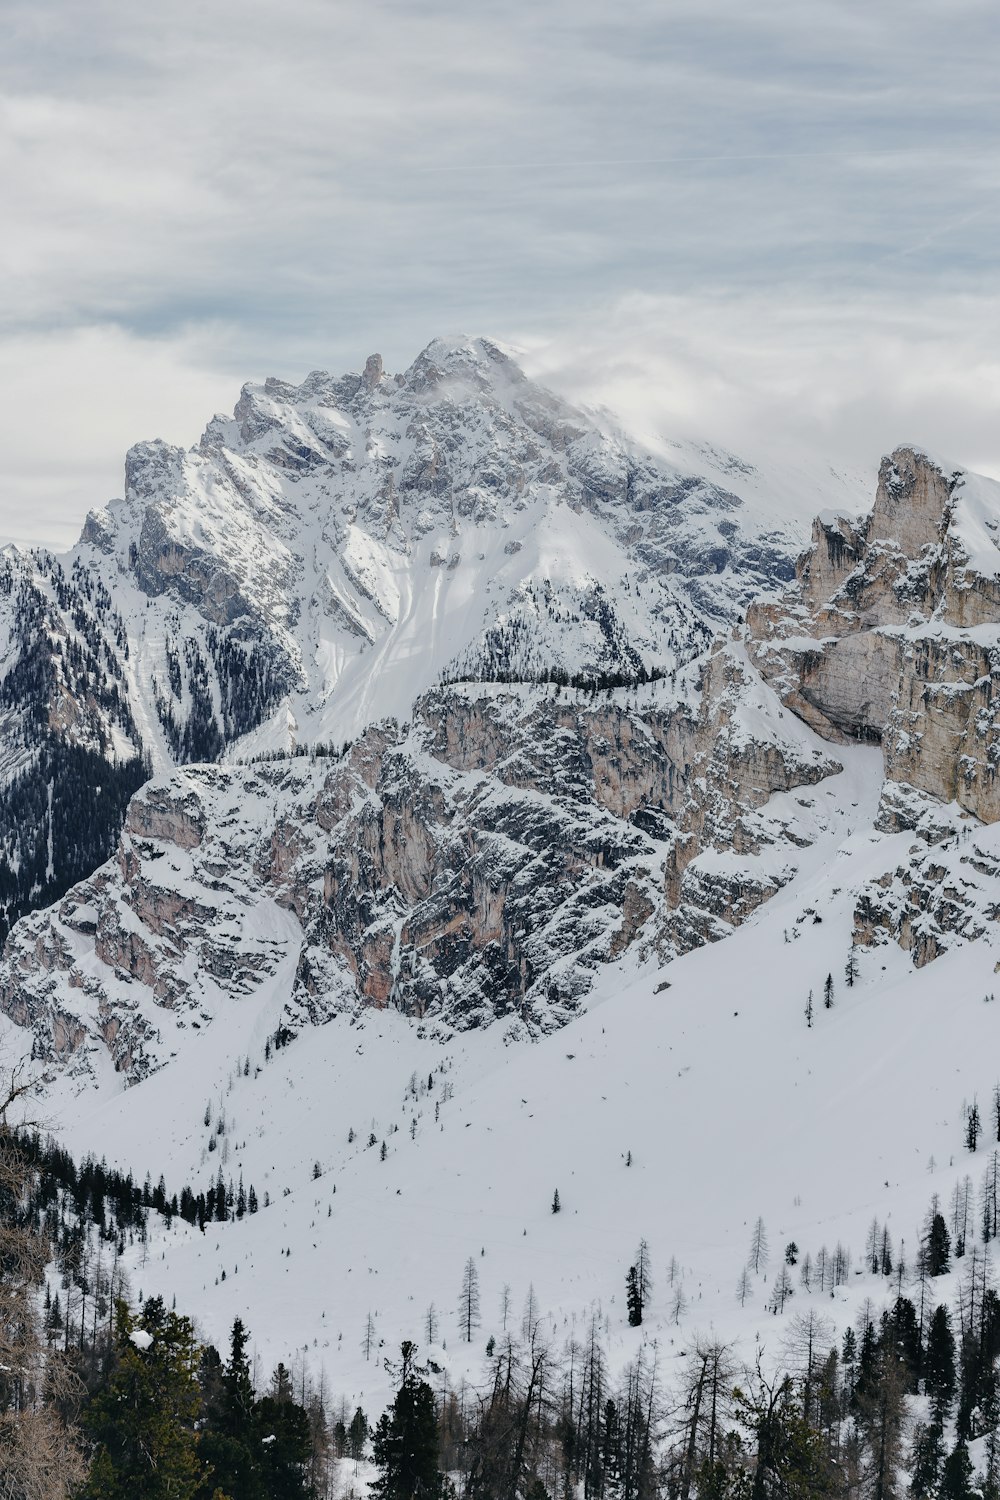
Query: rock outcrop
[[475, 864], [589, 773], [891, 632], [267, 587]]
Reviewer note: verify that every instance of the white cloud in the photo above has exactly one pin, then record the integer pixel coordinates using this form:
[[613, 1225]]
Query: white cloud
[[73, 403], [800, 194], [848, 383]]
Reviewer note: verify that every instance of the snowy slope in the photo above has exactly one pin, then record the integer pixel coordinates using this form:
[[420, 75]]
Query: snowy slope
[[559, 792], [730, 1105]]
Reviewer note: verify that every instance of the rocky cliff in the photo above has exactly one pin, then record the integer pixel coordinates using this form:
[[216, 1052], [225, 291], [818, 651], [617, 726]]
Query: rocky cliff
[[891, 632], [472, 865], [572, 770], [333, 549]]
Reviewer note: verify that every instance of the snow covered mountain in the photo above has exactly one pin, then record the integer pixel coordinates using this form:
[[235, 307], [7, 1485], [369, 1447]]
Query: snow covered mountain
[[555, 792], [480, 861], [334, 549]]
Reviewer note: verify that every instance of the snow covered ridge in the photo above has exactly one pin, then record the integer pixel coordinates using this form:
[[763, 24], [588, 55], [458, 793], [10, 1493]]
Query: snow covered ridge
[[334, 549], [476, 865]]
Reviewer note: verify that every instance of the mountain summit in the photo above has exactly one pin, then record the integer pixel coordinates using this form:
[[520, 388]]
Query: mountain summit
[[330, 551]]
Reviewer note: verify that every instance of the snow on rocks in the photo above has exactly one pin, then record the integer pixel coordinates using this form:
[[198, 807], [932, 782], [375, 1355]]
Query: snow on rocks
[[479, 863]]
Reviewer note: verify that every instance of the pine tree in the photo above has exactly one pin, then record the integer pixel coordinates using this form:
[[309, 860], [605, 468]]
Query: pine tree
[[632, 1300], [809, 1009], [851, 968], [357, 1434], [938, 1245], [556, 1205], [926, 1457], [231, 1442], [143, 1420], [939, 1363], [973, 1127], [405, 1443], [286, 1444], [956, 1476], [828, 992]]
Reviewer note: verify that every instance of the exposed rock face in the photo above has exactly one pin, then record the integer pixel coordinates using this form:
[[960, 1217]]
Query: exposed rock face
[[475, 864], [892, 632], [570, 767], [279, 573]]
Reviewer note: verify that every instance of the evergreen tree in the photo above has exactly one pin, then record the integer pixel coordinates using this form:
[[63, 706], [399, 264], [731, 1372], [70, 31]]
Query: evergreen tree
[[286, 1442], [851, 968], [633, 1301], [904, 1330], [787, 1457], [230, 1443], [405, 1443], [956, 1476], [143, 1420], [828, 992], [926, 1458], [938, 1245], [357, 1435], [973, 1127], [939, 1363], [556, 1205]]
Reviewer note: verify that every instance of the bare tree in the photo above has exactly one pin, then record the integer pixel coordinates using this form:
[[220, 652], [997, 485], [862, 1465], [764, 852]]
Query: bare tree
[[805, 1348], [783, 1289], [468, 1303], [531, 1315], [368, 1337], [757, 1258], [643, 1275], [700, 1413]]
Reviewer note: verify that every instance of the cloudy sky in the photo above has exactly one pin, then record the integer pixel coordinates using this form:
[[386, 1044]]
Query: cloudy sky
[[765, 221]]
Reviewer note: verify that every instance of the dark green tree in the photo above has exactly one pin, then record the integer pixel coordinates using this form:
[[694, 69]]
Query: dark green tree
[[904, 1330], [287, 1446], [938, 1245], [230, 1442], [973, 1127], [357, 1434], [956, 1476], [405, 1442], [632, 1299], [787, 1457], [925, 1461], [939, 1363], [142, 1421]]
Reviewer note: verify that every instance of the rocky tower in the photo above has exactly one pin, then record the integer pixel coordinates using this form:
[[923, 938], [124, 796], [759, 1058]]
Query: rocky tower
[[891, 633]]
